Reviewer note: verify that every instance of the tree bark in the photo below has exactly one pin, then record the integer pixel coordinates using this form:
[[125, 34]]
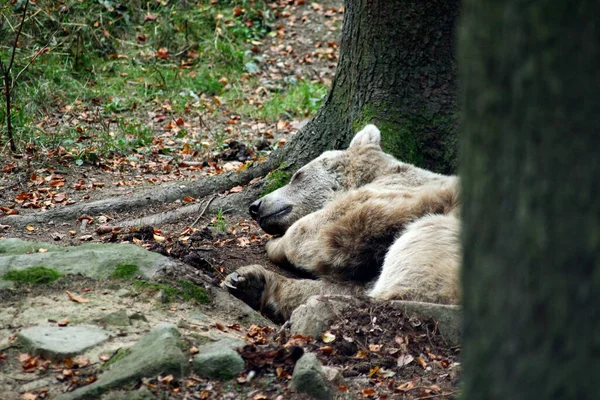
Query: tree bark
[[530, 173], [396, 70]]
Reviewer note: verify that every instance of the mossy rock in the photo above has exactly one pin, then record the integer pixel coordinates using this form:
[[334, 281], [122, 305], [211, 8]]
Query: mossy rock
[[94, 260], [33, 275], [125, 271]]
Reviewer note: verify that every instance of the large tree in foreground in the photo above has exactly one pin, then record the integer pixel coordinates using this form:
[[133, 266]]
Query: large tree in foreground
[[530, 81]]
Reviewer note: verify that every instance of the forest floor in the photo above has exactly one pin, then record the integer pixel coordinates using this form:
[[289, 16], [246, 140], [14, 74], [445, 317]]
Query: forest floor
[[152, 112]]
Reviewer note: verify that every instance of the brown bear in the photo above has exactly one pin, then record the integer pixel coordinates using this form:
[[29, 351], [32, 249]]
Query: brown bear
[[359, 221]]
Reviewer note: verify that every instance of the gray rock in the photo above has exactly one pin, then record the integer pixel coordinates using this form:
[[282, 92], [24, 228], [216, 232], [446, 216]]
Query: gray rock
[[6, 284], [143, 393], [157, 353], [219, 360], [94, 260], [316, 315], [235, 309], [57, 343], [138, 316], [123, 293], [197, 316], [309, 378], [117, 318], [333, 375], [448, 317]]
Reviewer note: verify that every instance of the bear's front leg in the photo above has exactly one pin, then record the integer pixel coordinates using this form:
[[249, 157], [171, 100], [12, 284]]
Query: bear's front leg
[[268, 292], [276, 250]]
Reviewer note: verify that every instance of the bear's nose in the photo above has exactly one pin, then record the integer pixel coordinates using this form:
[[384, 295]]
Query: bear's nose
[[253, 210]]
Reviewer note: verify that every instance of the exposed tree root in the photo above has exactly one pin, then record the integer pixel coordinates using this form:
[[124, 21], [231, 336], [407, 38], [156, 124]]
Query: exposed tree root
[[166, 194], [236, 203]]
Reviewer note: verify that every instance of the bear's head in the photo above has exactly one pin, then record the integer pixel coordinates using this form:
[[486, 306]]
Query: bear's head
[[318, 182]]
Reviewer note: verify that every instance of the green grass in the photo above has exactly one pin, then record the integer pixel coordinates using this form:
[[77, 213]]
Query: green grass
[[125, 271], [300, 100], [296, 100], [184, 290], [105, 54], [220, 223], [33, 275]]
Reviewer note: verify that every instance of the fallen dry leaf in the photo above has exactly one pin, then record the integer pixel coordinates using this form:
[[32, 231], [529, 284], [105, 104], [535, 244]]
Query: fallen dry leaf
[[328, 337], [361, 354], [375, 348], [368, 392], [76, 299], [405, 359], [81, 362], [63, 322], [405, 387], [30, 228], [421, 361]]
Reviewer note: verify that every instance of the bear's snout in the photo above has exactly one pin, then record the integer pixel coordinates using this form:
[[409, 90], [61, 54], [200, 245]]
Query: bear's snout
[[254, 209]]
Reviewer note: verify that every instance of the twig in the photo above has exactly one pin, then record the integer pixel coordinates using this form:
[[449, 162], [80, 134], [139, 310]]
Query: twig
[[31, 60], [439, 395], [14, 49], [203, 211], [283, 327], [192, 163]]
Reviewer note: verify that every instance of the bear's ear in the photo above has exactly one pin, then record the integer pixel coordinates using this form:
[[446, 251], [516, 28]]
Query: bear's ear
[[369, 135]]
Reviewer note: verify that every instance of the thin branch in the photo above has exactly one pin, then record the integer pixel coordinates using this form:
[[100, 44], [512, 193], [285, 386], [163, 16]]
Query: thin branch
[[433, 396], [35, 56], [203, 211], [14, 49]]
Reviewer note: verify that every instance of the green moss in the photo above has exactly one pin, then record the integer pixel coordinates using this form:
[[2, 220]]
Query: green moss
[[420, 138], [183, 289], [276, 179], [33, 275], [200, 339], [121, 353], [190, 291], [125, 271]]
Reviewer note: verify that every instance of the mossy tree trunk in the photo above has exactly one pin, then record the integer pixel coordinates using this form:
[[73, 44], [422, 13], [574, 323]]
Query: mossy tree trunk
[[396, 70], [530, 82]]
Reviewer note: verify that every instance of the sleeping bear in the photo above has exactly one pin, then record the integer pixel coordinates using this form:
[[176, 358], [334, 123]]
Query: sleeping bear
[[358, 222]]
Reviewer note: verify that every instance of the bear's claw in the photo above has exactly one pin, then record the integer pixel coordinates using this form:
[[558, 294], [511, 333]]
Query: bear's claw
[[247, 284]]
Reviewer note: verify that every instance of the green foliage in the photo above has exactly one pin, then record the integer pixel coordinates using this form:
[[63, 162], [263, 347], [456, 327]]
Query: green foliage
[[181, 289], [276, 179], [296, 100], [120, 354], [121, 56], [33, 275], [220, 224], [125, 271]]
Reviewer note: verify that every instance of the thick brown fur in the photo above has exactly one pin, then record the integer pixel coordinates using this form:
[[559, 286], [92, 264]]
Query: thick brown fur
[[360, 220]]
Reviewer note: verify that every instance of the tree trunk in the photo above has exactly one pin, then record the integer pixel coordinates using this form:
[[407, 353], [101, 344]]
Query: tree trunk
[[530, 174], [396, 70]]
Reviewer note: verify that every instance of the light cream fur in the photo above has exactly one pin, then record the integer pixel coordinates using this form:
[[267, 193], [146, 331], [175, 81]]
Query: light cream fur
[[389, 228]]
